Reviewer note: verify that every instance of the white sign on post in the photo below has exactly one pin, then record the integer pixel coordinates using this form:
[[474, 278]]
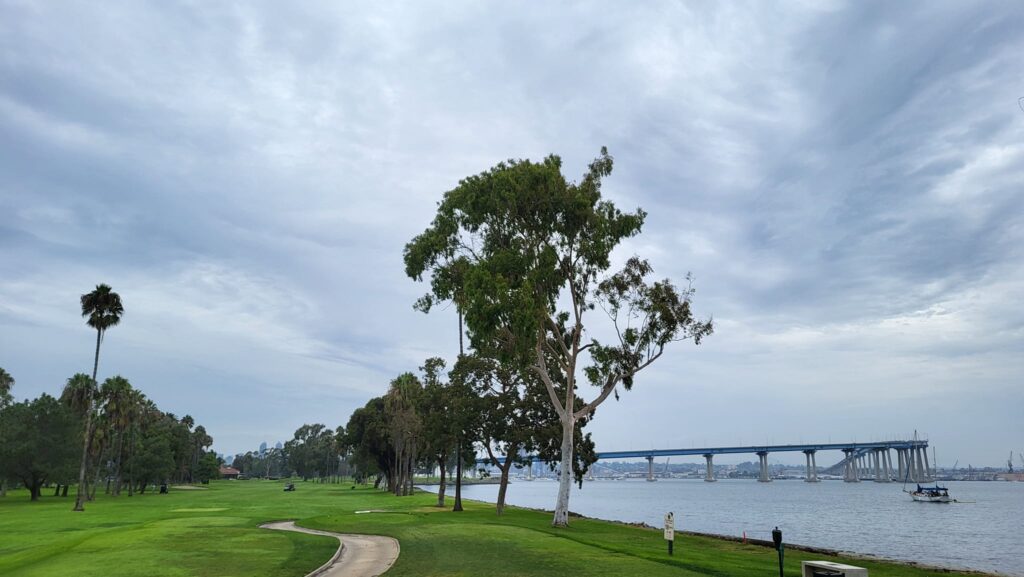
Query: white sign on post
[[670, 527]]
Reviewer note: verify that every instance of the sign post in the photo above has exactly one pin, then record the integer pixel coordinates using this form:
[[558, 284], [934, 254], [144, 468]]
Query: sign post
[[777, 539], [670, 530]]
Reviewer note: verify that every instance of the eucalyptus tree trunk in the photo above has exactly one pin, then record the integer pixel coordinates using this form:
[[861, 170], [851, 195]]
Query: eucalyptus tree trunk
[[80, 493], [503, 486], [565, 473]]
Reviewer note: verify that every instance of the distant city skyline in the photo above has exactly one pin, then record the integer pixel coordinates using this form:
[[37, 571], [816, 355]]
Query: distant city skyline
[[843, 179]]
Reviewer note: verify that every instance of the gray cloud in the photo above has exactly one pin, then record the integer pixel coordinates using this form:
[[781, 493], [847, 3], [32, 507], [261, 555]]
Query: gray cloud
[[842, 178]]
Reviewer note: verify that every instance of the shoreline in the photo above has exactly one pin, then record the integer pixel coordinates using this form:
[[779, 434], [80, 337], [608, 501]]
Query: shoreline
[[753, 541]]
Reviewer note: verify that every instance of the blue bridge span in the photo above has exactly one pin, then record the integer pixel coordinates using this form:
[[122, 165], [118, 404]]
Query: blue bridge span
[[860, 460]]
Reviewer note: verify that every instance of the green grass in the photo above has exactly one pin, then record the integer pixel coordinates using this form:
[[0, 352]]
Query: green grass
[[215, 532]]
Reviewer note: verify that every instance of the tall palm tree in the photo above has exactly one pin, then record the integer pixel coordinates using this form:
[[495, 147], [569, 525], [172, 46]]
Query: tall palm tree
[[102, 309]]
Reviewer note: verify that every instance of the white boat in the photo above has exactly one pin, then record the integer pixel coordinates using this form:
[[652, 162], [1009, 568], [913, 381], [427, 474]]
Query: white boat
[[934, 494]]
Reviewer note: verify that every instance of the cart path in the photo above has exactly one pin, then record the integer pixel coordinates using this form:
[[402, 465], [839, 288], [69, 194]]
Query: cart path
[[357, 555]]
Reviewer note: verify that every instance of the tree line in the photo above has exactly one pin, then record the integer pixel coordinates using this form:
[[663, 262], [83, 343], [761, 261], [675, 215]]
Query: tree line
[[133, 443], [127, 442]]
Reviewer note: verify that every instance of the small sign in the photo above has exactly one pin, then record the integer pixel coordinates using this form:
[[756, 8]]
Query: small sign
[[670, 527]]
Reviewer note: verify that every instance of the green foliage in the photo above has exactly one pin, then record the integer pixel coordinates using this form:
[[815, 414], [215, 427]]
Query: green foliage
[[511, 239], [6, 384], [79, 393], [102, 308], [208, 468], [36, 446], [313, 452], [367, 439]]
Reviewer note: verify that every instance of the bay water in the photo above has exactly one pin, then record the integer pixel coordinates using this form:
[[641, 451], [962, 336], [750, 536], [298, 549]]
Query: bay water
[[984, 531]]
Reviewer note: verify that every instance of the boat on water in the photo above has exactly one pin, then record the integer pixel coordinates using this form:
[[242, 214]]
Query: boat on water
[[933, 494]]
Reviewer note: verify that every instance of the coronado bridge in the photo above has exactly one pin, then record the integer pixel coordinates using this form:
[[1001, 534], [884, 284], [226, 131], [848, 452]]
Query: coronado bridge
[[871, 461]]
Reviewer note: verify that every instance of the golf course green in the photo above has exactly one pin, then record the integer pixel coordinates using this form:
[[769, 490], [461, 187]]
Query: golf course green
[[213, 531]]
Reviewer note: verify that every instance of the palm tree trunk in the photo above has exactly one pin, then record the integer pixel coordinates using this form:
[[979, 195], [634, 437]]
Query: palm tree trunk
[[458, 478], [80, 494], [117, 470], [131, 461]]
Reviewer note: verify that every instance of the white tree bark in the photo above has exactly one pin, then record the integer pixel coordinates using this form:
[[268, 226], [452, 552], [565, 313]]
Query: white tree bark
[[565, 472]]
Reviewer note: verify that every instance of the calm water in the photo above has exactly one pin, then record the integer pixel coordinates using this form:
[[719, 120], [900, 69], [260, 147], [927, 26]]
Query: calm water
[[866, 518]]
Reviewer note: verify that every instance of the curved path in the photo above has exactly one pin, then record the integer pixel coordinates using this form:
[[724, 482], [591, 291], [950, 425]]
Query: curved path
[[357, 555]]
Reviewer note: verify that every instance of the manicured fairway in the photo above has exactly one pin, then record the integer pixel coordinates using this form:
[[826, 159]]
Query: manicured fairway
[[214, 532]]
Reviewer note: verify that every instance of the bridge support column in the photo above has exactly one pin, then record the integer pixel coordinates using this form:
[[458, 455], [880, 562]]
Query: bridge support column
[[927, 469], [812, 467], [709, 476], [850, 469], [763, 477], [590, 473], [529, 470], [911, 456], [899, 459], [650, 468], [883, 455], [880, 466]]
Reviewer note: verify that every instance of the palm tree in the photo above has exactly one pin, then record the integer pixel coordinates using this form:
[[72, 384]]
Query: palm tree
[[102, 309], [137, 403], [78, 393], [6, 383], [118, 399]]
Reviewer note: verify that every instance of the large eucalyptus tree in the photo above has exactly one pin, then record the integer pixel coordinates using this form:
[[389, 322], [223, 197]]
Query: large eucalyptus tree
[[521, 249], [102, 309]]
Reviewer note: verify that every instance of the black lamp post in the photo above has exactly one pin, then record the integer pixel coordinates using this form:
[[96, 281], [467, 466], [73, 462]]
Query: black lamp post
[[777, 539]]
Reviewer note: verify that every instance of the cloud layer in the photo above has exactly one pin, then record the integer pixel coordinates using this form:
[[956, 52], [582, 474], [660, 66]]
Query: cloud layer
[[843, 179]]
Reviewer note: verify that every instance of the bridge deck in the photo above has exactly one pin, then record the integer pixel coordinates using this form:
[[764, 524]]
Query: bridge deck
[[751, 449]]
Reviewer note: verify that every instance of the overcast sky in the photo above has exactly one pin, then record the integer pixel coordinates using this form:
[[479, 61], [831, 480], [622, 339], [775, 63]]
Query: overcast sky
[[844, 180]]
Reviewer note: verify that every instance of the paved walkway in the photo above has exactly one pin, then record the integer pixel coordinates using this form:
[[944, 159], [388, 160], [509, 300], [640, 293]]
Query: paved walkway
[[357, 555]]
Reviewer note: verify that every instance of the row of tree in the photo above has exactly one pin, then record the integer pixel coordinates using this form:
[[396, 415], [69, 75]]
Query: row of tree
[[437, 421], [315, 452], [132, 444], [127, 442]]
